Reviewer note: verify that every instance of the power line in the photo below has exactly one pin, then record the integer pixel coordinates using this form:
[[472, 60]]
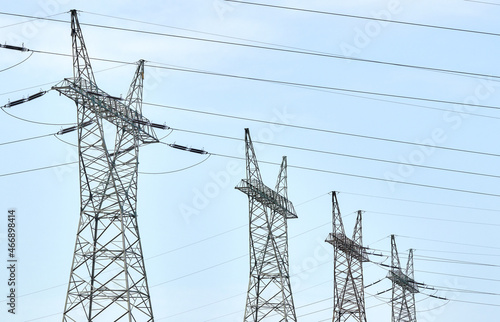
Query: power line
[[295, 84], [308, 86], [280, 82], [447, 242], [95, 72], [327, 91], [453, 261], [420, 202], [432, 259], [452, 252], [286, 146], [295, 51], [446, 288], [437, 259], [483, 2], [35, 18], [472, 302], [368, 177], [307, 51], [310, 169], [436, 219], [34, 122], [341, 154], [31, 54], [199, 271], [369, 18], [462, 276], [307, 169], [37, 169], [225, 262], [292, 126], [177, 170], [314, 129], [27, 139]]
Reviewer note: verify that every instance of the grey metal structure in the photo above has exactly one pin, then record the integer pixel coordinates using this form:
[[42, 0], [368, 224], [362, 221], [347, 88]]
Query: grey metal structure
[[404, 287], [108, 277], [348, 257], [269, 296]]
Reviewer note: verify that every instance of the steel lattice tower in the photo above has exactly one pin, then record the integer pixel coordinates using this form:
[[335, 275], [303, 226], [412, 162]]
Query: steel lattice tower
[[269, 296], [404, 287], [108, 277], [348, 257]]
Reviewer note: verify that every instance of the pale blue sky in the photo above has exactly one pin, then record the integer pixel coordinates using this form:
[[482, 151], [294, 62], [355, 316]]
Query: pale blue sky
[[194, 224]]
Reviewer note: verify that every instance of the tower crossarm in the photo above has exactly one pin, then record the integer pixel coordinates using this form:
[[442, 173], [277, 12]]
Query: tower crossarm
[[110, 108], [268, 197], [348, 246], [403, 280]]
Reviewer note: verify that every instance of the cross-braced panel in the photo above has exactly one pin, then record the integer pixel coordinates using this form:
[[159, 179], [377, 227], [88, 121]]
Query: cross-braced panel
[[269, 296], [348, 257], [404, 287], [108, 277]]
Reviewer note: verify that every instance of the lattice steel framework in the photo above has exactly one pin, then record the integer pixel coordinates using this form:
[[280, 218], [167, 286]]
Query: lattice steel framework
[[404, 287], [269, 296], [348, 257], [108, 277]]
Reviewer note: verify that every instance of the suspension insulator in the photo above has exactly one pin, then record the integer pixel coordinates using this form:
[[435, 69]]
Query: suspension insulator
[[14, 47]]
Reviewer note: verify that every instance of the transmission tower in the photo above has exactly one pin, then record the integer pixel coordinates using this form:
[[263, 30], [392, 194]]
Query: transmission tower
[[269, 296], [404, 287], [348, 257], [108, 277]]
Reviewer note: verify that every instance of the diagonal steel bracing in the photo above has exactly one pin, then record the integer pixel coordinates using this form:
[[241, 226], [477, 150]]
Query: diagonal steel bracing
[[349, 255], [404, 287], [108, 277], [269, 296]]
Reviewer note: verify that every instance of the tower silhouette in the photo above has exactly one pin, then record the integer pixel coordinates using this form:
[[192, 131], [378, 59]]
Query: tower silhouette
[[404, 287], [348, 257], [269, 294], [108, 276]]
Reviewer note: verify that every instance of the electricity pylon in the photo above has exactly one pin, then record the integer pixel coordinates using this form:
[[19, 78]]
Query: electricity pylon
[[404, 287], [348, 257], [108, 277], [269, 296]]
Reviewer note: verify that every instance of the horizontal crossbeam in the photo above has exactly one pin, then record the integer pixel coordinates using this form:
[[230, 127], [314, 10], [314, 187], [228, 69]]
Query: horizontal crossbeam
[[267, 197], [108, 107], [348, 246], [403, 280]]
